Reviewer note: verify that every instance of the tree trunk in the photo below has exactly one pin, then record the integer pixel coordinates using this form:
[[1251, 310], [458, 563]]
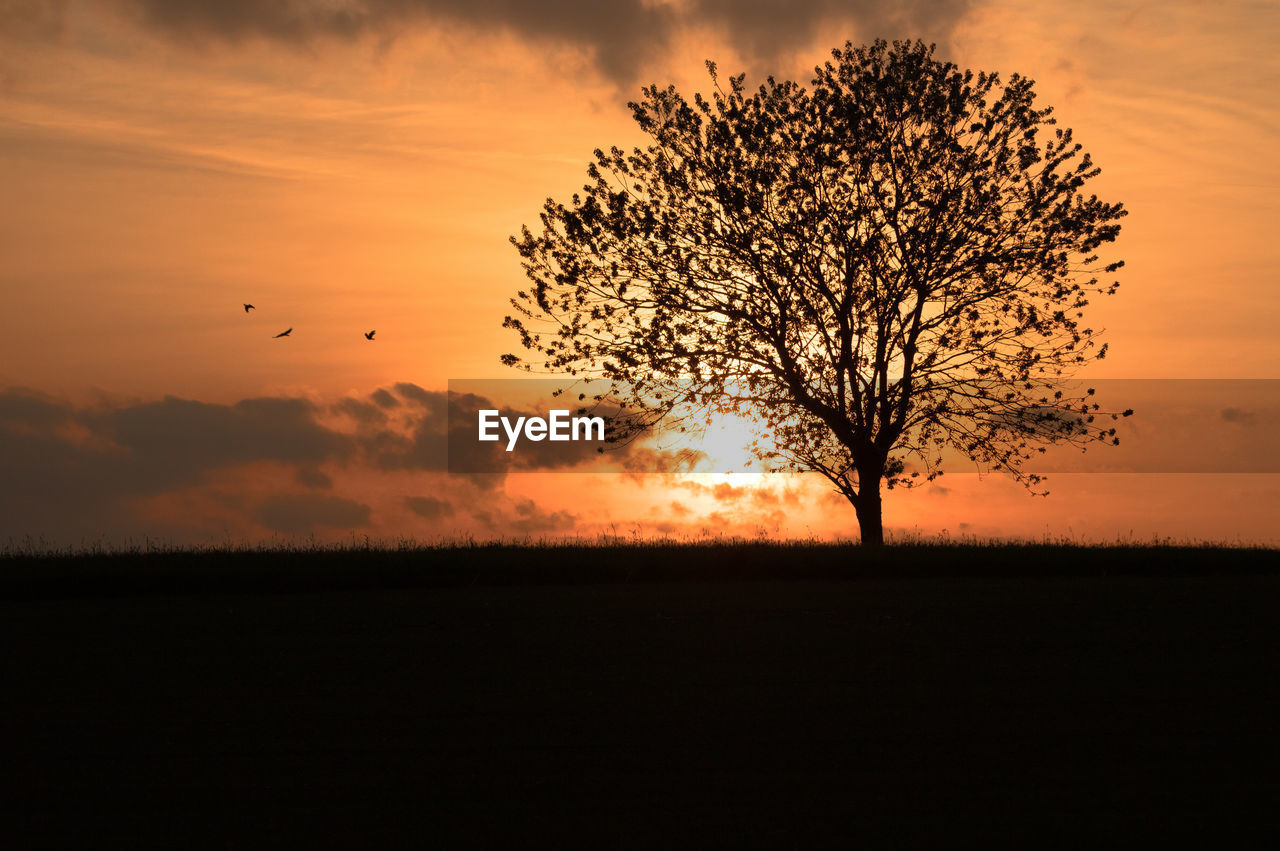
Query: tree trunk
[[868, 508]]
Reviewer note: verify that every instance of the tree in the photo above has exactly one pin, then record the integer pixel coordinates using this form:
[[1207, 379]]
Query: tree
[[892, 263]]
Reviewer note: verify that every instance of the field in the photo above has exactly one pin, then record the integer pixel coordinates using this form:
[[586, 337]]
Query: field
[[643, 696]]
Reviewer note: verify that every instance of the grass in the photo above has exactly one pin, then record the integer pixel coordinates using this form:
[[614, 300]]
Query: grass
[[153, 567]]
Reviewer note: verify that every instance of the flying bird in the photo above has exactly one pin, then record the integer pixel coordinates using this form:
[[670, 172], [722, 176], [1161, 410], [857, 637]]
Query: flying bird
[[283, 334], [369, 336], [248, 307]]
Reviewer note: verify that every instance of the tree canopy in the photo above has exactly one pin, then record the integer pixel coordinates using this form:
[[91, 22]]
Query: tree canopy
[[890, 263]]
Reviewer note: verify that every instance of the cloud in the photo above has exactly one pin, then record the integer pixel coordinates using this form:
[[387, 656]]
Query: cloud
[[624, 38], [297, 514], [527, 519], [715, 522], [180, 467], [69, 472], [419, 439], [365, 413], [312, 478], [764, 29], [51, 481], [1237, 415], [429, 507], [178, 440], [23, 410], [727, 492], [384, 399], [643, 461], [761, 496], [619, 35]]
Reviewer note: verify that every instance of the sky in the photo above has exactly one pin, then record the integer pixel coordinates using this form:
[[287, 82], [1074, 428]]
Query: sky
[[350, 165]]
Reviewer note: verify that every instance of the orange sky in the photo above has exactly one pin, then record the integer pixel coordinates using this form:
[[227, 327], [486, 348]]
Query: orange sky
[[162, 163]]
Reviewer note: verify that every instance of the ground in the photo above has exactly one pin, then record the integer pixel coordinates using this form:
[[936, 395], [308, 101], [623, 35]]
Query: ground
[[710, 697]]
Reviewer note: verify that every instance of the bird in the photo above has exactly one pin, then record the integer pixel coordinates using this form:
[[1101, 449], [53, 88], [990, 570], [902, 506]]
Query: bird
[[369, 336], [283, 334], [249, 307]]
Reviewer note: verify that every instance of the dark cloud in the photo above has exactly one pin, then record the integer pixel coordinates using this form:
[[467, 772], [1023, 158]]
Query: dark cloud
[[620, 35], [310, 477], [384, 399], [365, 413], [53, 485], [434, 402], [298, 514], [1237, 415], [73, 473], [527, 519], [429, 507], [69, 472], [422, 443], [419, 441], [763, 29], [178, 440], [624, 38], [25, 410]]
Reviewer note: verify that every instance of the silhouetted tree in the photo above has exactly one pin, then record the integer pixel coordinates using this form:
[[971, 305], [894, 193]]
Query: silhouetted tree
[[890, 263]]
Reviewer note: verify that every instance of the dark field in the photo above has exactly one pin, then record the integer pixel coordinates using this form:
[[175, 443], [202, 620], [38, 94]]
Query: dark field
[[712, 696]]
